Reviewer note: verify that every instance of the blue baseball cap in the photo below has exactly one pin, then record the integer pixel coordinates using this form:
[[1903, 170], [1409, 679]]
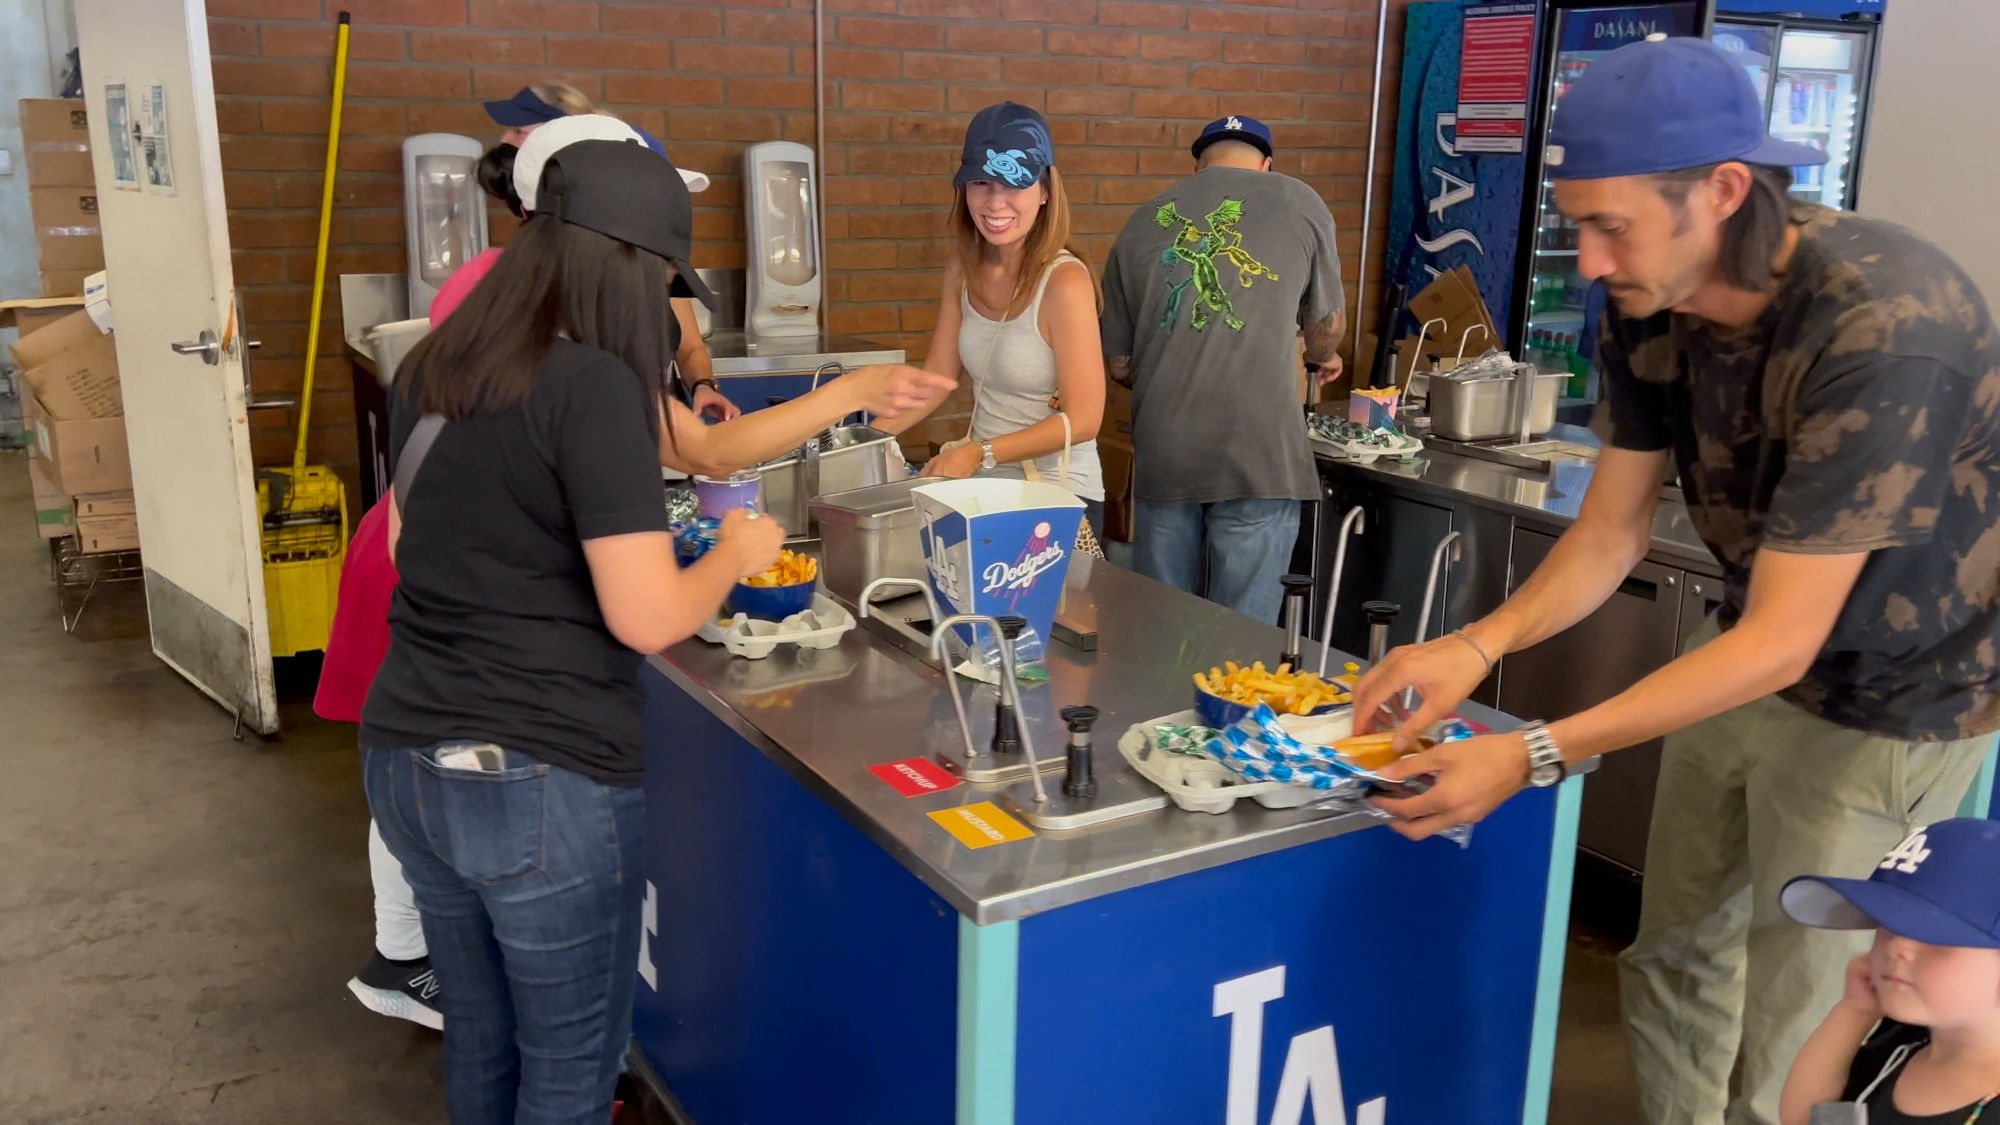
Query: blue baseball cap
[[1007, 144], [1235, 127], [522, 110], [1940, 887], [1663, 105]]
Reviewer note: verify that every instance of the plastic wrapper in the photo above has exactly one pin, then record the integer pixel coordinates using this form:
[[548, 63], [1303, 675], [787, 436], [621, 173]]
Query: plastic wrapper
[[683, 507], [1493, 363], [1173, 738], [694, 538], [1259, 749]]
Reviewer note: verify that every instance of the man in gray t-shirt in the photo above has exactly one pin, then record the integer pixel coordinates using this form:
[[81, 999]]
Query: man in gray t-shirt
[[1205, 296]]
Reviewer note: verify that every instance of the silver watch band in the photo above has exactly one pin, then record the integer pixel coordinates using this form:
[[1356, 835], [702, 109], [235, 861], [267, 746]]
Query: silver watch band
[[986, 460]]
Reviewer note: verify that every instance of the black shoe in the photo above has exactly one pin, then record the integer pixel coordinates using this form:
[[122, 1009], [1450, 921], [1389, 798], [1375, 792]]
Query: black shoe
[[406, 990]]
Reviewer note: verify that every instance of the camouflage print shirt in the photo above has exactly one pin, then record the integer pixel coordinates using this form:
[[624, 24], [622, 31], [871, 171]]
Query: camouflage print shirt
[[1861, 412]]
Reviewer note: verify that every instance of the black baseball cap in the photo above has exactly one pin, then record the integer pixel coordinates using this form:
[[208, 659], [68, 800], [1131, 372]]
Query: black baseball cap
[[628, 192], [1235, 127], [1007, 144], [522, 110]]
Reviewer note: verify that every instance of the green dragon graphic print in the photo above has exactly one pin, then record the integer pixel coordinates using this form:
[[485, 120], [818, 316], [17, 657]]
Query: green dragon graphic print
[[1201, 250]]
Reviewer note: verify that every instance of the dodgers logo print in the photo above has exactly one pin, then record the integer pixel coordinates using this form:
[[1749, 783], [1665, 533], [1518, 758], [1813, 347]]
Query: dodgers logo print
[[1016, 579]]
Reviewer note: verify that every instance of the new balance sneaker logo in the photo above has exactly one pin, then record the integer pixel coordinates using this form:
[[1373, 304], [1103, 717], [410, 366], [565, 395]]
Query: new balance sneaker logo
[[1908, 856]]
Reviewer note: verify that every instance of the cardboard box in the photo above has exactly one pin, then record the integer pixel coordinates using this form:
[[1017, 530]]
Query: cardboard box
[[54, 518], [31, 314], [1454, 299], [107, 533], [55, 134], [84, 455], [1117, 424], [70, 256], [68, 282], [73, 329], [71, 210], [1120, 512], [100, 505], [80, 382]]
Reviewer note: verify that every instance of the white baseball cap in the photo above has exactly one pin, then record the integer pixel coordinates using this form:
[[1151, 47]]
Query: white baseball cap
[[545, 141], [562, 132]]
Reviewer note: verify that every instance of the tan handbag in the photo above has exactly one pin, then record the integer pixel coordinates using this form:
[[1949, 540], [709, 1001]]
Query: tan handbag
[[1086, 535]]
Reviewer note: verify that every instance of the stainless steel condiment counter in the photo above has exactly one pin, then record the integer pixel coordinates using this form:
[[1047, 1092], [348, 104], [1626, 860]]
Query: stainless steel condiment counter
[[1549, 500], [825, 717]]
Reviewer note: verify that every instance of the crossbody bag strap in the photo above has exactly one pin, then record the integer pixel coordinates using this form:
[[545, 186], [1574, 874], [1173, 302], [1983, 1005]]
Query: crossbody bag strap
[[422, 436]]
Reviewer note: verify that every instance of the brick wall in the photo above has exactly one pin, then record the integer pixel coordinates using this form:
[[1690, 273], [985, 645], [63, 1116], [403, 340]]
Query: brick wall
[[1125, 83]]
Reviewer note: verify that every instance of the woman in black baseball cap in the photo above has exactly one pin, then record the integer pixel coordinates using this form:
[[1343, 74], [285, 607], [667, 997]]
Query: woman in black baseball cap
[[502, 736]]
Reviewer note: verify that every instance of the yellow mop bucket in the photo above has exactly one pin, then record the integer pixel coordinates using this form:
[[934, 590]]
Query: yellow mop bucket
[[305, 542], [304, 507]]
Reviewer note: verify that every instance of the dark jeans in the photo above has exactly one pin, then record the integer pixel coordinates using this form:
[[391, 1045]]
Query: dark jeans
[[1231, 551], [530, 884]]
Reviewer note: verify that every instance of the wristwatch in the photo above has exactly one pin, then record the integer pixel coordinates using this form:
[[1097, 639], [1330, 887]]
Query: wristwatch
[[1546, 766], [986, 460], [700, 383]]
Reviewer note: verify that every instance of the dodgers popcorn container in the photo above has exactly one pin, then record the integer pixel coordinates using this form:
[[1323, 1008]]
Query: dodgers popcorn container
[[998, 547]]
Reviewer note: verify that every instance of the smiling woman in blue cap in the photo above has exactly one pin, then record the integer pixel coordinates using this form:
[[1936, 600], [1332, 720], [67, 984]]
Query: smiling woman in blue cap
[[1828, 386], [1019, 316]]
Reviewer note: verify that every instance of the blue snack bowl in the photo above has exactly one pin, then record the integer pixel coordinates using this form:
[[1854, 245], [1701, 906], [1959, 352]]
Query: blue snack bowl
[[772, 603], [1218, 713]]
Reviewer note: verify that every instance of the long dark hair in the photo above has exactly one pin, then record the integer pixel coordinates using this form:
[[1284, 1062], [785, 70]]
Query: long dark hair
[[1752, 236], [495, 172], [555, 278]]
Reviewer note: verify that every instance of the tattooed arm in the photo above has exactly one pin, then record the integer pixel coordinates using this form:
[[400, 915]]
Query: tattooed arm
[[1322, 337]]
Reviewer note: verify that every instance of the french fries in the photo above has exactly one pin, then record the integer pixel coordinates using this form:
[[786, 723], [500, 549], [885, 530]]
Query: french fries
[[1288, 692], [791, 569]]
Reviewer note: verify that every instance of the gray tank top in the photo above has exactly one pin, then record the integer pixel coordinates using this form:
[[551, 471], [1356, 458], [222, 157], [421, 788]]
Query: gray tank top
[[1013, 373]]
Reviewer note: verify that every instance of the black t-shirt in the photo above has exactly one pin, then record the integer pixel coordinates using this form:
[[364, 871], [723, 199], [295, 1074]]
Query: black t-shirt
[[1880, 1050], [495, 632], [1860, 413]]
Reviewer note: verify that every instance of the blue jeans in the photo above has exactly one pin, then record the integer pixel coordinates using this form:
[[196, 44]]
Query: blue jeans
[[530, 884], [1232, 551]]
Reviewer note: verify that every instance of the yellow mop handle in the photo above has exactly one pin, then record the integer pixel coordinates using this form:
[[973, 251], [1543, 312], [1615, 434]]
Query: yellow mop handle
[[319, 254]]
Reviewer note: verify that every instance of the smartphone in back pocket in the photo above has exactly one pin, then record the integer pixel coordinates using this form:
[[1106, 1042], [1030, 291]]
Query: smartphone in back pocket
[[486, 757]]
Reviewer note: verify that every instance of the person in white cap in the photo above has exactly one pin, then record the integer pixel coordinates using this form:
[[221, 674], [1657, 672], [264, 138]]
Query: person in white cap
[[582, 122]]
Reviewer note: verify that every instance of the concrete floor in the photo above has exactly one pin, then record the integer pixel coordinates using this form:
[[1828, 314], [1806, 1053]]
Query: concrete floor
[[180, 912]]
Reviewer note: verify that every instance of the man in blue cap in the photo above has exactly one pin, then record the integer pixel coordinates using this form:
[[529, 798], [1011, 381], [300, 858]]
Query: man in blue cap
[[1828, 387], [1206, 293]]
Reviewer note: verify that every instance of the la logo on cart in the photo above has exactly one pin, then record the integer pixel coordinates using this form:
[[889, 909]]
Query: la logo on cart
[[1312, 1063]]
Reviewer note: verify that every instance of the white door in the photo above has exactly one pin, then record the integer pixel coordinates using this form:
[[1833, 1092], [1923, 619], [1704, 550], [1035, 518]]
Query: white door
[[180, 345]]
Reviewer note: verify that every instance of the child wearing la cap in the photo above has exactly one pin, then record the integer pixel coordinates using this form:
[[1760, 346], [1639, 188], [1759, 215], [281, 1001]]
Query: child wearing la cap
[[1915, 1039]]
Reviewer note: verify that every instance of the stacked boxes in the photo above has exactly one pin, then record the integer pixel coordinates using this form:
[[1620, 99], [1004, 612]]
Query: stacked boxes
[[62, 193], [75, 410]]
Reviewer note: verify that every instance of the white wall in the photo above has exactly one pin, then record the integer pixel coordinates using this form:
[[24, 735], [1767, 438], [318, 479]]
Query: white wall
[[1932, 160], [35, 39]]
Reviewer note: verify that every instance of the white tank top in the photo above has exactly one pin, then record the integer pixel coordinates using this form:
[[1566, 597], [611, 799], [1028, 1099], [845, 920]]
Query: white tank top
[[1013, 373]]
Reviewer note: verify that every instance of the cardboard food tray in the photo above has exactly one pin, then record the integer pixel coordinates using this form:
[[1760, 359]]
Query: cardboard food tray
[[1202, 784], [755, 640]]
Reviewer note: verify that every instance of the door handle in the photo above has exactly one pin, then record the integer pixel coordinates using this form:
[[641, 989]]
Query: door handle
[[206, 346]]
